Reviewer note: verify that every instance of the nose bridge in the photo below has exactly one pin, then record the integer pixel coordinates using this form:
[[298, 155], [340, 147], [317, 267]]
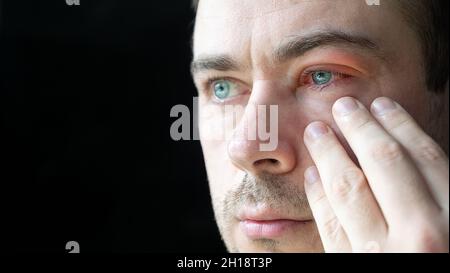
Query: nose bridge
[[246, 148], [267, 91], [263, 106]]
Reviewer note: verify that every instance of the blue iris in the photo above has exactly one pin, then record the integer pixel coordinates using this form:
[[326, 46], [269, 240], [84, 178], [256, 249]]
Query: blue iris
[[222, 89], [321, 77]]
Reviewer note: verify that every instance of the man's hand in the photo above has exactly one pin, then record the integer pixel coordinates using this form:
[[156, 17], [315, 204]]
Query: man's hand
[[397, 201]]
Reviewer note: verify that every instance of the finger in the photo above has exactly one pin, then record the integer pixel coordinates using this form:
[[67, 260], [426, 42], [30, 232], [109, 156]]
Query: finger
[[424, 151], [397, 184], [346, 187], [331, 232]]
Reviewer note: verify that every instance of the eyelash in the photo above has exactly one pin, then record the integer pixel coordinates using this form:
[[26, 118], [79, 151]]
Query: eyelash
[[211, 81]]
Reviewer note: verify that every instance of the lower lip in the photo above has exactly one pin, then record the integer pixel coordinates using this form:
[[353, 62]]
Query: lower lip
[[267, 229]]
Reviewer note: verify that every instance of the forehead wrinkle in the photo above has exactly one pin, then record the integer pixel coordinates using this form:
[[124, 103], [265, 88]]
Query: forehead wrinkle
[[261, 46], [258, 14]]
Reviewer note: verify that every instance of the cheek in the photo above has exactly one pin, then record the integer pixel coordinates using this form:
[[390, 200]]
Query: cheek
[[222, 174], [216, 129], [210, 122], [293, 123], [218, 122], [319, 108], [409, 90], [310, 109]]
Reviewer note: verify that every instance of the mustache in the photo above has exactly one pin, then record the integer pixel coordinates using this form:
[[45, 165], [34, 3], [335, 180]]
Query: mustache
[[275, 191]]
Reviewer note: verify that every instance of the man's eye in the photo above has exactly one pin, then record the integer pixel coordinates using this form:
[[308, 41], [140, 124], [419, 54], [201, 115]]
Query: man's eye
[[224, 89], [321, 77]]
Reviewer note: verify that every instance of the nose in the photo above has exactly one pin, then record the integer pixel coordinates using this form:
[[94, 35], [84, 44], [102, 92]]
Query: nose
[[245, 152]]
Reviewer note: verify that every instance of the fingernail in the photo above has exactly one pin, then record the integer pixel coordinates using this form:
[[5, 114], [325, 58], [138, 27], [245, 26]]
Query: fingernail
[[382, 106], [312, 175], [317, 129], [345, 106]]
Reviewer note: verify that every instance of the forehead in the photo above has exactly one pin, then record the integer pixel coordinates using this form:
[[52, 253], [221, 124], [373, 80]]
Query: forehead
[[243, 27]]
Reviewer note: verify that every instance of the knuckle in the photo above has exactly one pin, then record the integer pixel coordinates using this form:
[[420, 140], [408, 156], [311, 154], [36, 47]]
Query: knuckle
[[429, 151], [361, 122], [429, 238], [399, 120], [386, 152], [331, 228], [350, 182], [317, 198]]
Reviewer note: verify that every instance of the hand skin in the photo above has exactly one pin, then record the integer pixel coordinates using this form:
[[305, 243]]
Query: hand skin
[[396, 200]]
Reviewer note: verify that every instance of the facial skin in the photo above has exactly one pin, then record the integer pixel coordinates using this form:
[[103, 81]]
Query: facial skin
[[364, 52]]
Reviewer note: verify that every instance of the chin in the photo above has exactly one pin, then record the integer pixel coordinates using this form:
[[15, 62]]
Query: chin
[[300, 240], [271, 246]]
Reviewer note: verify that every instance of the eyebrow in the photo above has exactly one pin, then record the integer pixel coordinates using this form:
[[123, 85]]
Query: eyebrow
[[214, 62], [298, 45], [295, 46]]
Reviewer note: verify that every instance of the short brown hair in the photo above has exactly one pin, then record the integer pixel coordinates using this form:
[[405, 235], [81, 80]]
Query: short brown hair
[[429, 19]]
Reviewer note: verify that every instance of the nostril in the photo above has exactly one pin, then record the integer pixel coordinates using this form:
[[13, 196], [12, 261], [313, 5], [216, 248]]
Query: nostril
[[274, 161], [269, 161]]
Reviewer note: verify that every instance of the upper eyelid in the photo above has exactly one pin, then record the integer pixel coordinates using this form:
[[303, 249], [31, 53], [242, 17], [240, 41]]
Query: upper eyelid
[[335, 68], [210, 81]]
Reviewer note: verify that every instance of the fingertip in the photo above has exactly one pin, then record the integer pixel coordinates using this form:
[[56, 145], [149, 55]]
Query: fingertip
[[315, 130], [382, 106], [345, 106], [312, 175]]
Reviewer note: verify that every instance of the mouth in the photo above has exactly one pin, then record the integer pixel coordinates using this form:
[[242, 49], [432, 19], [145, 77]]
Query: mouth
[[257, 223]]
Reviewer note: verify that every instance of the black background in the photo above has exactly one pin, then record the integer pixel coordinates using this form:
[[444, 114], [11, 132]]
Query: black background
[[85, 148]]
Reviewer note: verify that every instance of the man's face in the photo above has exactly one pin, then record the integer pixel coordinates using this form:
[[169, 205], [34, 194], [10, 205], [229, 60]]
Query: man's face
[[301, 56]]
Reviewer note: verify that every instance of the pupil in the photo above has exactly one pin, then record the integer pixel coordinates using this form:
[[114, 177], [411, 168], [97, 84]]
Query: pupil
[[221, 90], [321, 77]]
